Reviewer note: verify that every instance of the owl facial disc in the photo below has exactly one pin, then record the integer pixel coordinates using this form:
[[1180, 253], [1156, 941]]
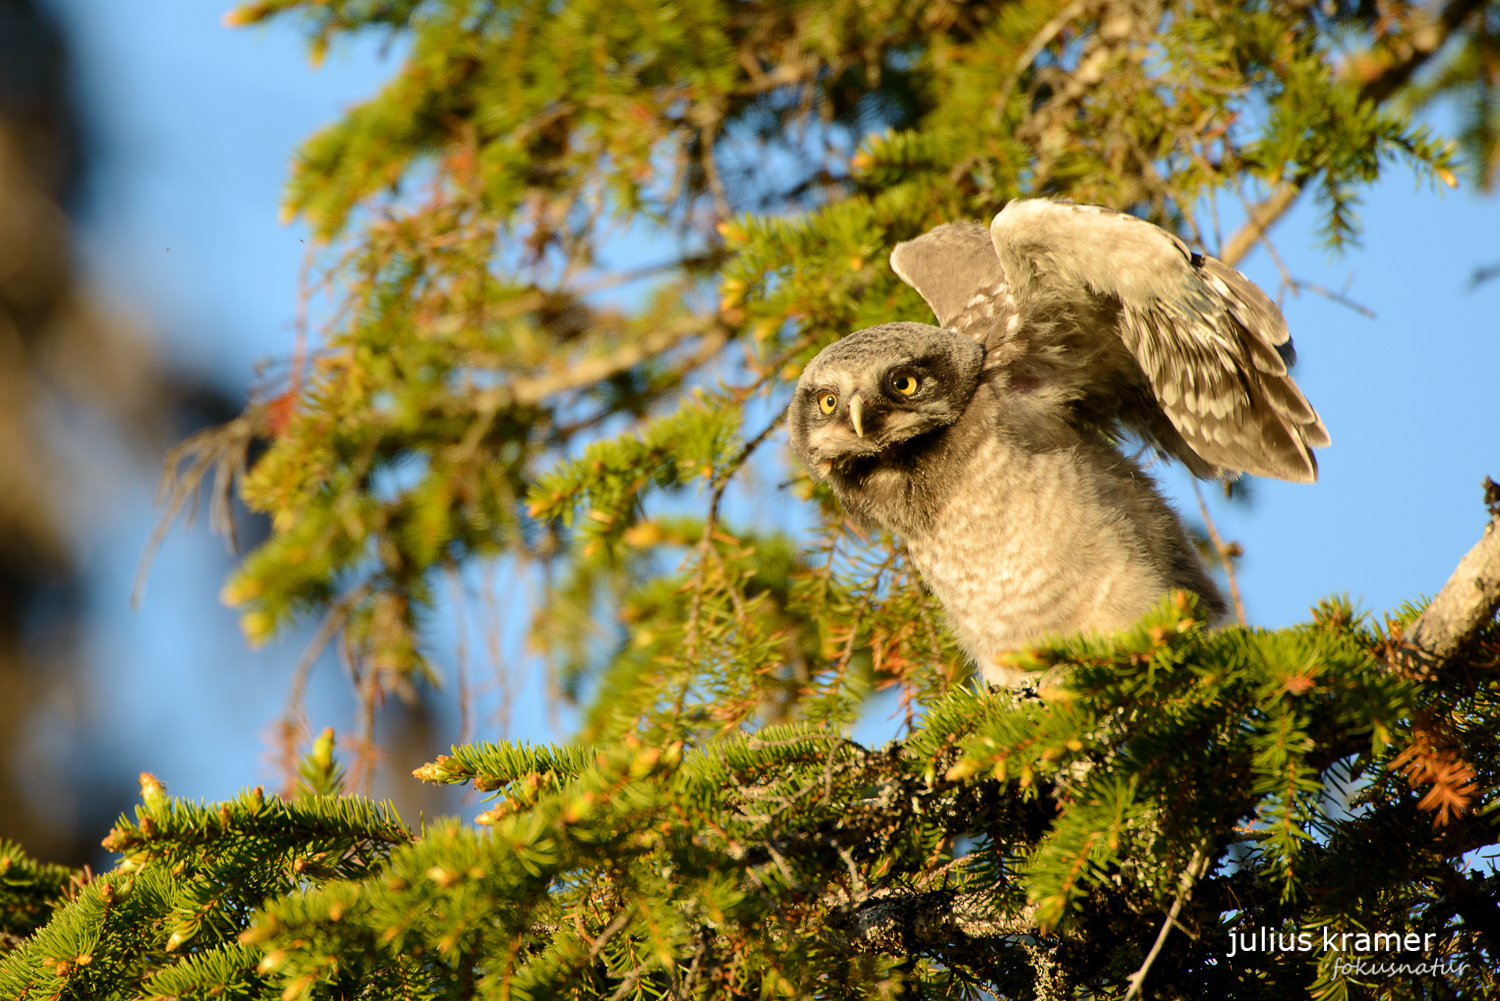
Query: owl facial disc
[[878, 388]]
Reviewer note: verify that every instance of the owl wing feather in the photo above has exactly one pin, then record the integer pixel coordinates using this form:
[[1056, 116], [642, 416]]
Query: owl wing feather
[[956, 271], [1062, 288]]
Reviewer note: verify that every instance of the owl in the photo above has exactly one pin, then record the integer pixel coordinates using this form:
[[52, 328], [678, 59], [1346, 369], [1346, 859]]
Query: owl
[[990, 443]]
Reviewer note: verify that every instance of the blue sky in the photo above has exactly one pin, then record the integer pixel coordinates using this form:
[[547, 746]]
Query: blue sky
[[195, 126]]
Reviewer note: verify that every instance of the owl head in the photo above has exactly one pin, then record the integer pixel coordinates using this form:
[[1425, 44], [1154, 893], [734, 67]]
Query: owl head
[[877, 389]]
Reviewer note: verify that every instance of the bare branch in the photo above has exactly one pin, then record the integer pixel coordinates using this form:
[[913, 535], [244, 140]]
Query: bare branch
[[1262, 217], [293, 716], [1184, 890], [1040, 41], [621, 920], [1343, 300], [1465, 604], [223, 450], [461, 650]]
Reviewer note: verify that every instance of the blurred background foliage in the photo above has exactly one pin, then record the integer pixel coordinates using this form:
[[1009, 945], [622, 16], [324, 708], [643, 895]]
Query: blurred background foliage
[[67, 357]]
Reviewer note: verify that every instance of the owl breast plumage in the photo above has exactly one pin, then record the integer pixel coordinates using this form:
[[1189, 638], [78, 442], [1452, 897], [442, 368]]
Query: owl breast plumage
[[988, 443]]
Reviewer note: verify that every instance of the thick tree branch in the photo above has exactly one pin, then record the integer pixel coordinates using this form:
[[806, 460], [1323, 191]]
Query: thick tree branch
[[1465, 604], [1390, 70]]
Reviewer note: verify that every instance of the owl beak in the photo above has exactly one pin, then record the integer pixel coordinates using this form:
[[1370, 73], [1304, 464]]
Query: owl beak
[[857, 415]]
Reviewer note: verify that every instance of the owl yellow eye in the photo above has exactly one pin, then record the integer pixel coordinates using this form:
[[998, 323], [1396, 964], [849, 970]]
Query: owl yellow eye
[[827, 402], [905, 383]]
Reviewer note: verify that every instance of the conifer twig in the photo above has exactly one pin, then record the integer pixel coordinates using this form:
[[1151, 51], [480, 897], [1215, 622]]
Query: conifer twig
[[621, 920], [223, 450], [1297, 286], [577, 375], [1226, 556], [289, 726], [1184, 889], [367, 690], [628, 984]]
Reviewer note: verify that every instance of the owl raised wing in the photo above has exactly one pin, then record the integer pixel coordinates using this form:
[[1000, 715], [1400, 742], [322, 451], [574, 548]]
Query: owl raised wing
[[1118, 319]]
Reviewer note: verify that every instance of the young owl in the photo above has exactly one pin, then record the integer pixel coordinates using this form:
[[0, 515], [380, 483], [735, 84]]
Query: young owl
[[988, 444]]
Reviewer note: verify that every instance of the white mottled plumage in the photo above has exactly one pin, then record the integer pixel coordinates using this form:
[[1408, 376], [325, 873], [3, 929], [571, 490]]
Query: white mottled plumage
[[987, 444], [1048, 564]]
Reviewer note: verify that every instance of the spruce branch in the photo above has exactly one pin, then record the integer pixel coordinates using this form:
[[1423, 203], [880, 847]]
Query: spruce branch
[[1390, 67], [1043, 38], [714, 863], [900, 923]]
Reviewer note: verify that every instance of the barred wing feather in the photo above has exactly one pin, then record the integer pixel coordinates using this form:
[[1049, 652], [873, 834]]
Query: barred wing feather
[[1053, 290]]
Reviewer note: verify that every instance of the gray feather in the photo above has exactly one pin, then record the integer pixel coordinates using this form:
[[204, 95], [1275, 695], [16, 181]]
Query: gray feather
[[1211, 345], [954, 268]]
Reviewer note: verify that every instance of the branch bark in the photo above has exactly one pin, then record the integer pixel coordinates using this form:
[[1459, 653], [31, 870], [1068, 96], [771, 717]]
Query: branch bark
[[1409, 52], [1465, 604], [1262, 218]]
